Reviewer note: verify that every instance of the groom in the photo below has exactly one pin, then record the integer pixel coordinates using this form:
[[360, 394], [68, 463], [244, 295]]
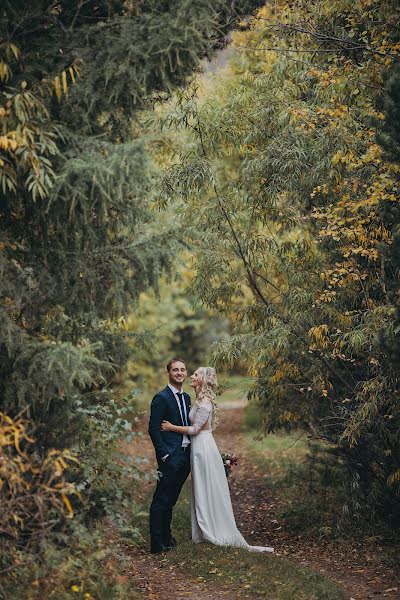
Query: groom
[[172, 452]]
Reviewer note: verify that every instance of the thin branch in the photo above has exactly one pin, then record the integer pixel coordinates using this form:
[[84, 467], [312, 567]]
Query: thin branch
[[346, 43], [295, 442]]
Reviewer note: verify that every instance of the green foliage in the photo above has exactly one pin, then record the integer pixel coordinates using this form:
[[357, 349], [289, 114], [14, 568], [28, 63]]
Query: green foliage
[[71, 570], [252, 417], [293, 208], [165, 325], [35, 492], [79, 237], [389, 135]]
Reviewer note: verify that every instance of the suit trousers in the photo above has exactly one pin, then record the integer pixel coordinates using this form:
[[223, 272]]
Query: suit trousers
[[172, 475]]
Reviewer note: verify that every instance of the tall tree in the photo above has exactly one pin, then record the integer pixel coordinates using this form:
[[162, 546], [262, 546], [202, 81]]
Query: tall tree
[[79, 242], [79, 238], [299, 225]]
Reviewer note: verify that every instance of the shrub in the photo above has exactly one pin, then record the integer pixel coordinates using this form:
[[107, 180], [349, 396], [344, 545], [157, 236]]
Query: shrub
[[34, 491]]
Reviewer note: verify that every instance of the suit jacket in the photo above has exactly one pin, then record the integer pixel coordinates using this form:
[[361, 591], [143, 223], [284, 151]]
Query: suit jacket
[[164, 407]]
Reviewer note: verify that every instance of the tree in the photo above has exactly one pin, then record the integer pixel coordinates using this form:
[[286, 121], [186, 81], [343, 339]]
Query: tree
[[170, 324], [80, 240], [298, 227]]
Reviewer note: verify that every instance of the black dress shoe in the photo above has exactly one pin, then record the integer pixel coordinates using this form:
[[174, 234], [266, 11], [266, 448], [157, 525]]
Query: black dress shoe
[[161, 549]]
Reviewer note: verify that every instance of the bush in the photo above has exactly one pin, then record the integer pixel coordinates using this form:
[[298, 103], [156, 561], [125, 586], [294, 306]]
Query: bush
[[73, 565], [44, 552], [326, 499], [252, 417], [34, 491]]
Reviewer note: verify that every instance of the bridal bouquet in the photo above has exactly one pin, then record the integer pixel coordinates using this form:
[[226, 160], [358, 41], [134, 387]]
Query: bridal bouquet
[[230, 460]]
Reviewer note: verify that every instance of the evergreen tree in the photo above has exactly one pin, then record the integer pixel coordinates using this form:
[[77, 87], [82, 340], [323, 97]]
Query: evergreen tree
[[79, 242], [79, 238]]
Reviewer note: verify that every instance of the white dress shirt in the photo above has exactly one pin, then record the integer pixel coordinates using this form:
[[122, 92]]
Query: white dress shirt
[[185, 417]]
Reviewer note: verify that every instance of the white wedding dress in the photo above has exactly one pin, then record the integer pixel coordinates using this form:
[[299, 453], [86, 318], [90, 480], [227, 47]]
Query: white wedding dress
[[212, 515]]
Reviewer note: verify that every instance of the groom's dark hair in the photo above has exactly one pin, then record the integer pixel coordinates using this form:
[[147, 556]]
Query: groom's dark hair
[[173, 360]]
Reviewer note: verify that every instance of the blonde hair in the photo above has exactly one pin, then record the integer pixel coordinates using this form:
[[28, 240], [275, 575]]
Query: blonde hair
[[208, 390]]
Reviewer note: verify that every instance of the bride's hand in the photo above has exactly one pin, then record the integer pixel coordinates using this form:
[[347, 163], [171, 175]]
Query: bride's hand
[[165, 426]]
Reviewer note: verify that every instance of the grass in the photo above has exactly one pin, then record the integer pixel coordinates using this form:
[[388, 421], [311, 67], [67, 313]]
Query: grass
[[308, 482], [265, 576], [276, 454], [78, 569], [235, 387], [313, 489]]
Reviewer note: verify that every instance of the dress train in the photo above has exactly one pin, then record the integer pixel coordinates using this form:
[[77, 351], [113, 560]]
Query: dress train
[[211, 507]]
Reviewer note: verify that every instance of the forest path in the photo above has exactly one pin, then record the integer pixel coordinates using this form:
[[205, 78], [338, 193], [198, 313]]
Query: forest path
[[355, 568], [152, 574]]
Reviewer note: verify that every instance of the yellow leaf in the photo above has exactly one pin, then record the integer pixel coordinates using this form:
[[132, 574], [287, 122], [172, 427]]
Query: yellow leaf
[[68, 505], [16, 442], [15, 50], [4, 71], [71, 72], [57, 88], [64, 81]]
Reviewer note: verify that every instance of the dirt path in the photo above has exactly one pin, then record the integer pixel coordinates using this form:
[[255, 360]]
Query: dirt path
[[355, 568], [151, 574]]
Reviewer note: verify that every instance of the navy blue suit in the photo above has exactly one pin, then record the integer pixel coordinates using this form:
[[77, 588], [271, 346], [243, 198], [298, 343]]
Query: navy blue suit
[[174, 471]]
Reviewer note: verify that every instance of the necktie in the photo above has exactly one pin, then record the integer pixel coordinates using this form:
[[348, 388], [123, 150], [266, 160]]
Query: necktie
[[183, 408]]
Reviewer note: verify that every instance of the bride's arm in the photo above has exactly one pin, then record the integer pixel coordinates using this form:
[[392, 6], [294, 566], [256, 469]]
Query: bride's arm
[[200, 419], [167, 426]]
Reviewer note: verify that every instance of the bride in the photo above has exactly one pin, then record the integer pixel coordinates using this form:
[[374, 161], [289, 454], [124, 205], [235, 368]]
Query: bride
[[212, 515]]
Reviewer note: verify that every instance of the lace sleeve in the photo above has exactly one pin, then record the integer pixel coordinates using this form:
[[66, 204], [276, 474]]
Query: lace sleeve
[[200, 418]]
